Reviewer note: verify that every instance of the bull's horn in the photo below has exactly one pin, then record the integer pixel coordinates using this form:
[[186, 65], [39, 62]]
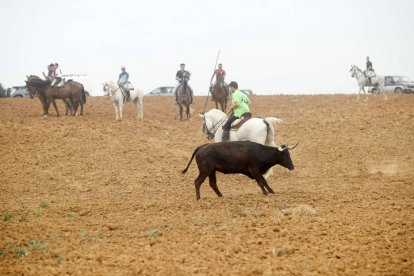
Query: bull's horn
[[281, 148], [291, 148]]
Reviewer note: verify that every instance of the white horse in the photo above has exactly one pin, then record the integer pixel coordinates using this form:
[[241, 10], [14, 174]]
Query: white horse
[[117, 97], [256, 129], [377, 80]]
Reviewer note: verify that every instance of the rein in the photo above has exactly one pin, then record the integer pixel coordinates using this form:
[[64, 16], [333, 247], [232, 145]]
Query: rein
[[210, 135]]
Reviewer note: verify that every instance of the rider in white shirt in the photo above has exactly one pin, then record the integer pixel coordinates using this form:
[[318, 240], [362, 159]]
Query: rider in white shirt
[[57, 78]]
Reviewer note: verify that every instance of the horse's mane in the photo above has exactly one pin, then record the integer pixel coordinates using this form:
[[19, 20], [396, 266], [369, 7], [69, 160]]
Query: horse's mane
[[217, 112], [35, 81]]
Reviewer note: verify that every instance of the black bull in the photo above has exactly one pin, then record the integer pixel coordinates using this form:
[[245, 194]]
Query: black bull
[[244, 157]]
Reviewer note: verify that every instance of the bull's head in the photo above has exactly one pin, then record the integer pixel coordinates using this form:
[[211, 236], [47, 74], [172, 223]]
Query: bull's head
[[286, 161]]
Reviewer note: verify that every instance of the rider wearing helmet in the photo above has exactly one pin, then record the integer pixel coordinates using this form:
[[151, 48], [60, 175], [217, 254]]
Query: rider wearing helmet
[[179, 78], [239, 105], [123, 81]]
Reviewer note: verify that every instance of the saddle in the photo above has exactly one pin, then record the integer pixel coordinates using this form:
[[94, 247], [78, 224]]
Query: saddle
[[61, 83], [239, 122], [370, 73]]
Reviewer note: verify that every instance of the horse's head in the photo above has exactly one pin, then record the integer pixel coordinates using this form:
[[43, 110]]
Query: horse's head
[[105, 88], [34, 83], [32, 90], [186, 76], [352, 70], [220, 78], [212, 120]]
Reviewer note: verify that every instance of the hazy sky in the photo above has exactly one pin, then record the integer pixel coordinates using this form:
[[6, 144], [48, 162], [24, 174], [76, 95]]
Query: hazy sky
[[269, 46]]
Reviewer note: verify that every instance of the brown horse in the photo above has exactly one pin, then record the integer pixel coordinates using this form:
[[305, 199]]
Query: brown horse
[[72, 93], [183, 97], [220, 93]]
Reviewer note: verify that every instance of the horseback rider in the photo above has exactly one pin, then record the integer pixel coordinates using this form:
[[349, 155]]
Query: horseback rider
[[179, 77], [239, 105], [369, 72], [56, 79], [50, 71], [220, 71], [123, 82]]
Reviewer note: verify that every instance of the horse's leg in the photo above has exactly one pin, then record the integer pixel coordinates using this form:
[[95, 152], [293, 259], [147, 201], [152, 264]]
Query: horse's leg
[[216, 102], [137, 105], [75, 105], [141, 109], [55, 106], [81, 107], [47, 107], [187, 111], [180, 110], [116, 110], [121, 106]]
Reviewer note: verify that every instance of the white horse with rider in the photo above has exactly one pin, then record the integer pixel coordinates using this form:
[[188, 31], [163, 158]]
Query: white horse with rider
[[259, 130], [118, 98], [377, 81]]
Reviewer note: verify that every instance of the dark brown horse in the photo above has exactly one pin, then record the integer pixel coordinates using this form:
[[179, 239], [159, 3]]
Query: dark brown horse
[[183, 97], [72, 93], [220, 93]]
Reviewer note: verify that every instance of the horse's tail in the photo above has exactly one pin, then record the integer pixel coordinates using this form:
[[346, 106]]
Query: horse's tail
[[269, 121], [83, 95], [192, 157]]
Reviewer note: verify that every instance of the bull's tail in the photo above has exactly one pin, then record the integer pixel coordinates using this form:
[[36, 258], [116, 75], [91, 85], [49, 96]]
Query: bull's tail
[[270, 136], [83, 95], [192, 157]]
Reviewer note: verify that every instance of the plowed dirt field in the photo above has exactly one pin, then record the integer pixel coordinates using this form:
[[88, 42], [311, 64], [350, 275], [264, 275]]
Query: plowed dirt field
[[89, 195]]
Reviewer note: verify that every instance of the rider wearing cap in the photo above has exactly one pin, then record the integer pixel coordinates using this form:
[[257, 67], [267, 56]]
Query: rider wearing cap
[[123, 81], [179, 77], [239, 105]]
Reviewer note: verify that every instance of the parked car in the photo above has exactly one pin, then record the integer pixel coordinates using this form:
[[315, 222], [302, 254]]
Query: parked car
[[162, 91], [19, 92], [395, 84], [3, 91], [406, 82], [248, 92]]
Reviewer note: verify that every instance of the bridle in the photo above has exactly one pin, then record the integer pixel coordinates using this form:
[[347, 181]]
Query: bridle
[[209, 132], [110, 92]]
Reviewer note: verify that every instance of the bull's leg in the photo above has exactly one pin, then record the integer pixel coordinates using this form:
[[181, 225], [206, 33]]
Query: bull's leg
[[213, 183], [199, 180], [263, 180], [260, 180]]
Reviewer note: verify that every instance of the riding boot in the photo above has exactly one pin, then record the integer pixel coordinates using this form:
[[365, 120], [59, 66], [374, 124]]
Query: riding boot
[[191, 96], [369, 81], [128, 95], [226, 135], [211, 92]]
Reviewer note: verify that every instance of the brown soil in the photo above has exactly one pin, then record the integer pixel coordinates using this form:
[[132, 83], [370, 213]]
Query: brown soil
[[89, 195]]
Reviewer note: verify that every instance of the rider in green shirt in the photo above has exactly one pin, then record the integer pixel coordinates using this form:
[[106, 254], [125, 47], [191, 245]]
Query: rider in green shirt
[[239, 106]]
